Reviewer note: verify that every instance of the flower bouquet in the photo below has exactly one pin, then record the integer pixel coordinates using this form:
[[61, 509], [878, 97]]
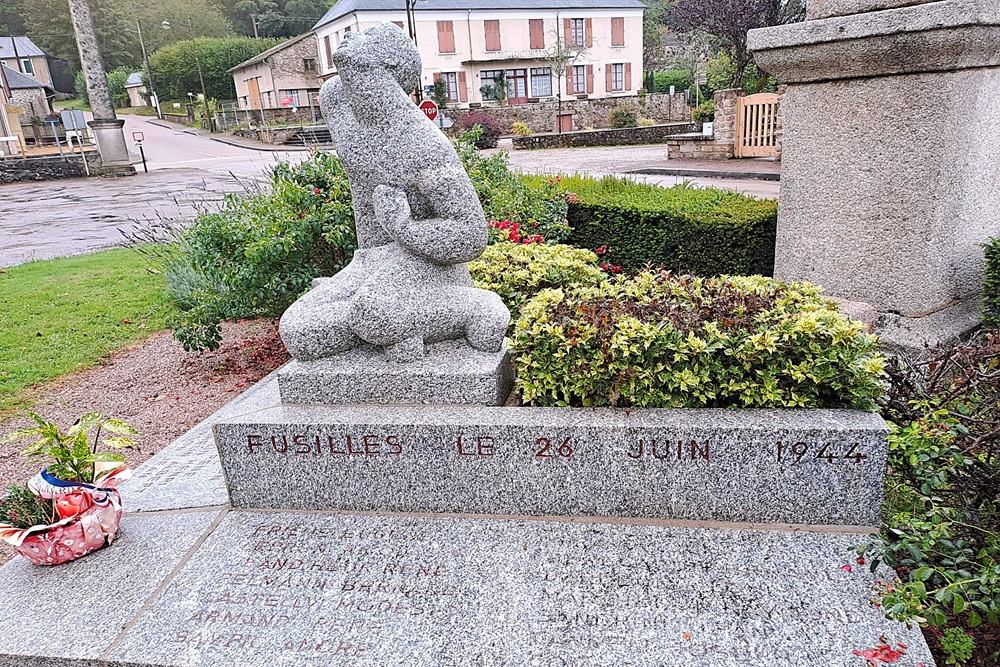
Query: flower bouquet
[[71, 507]]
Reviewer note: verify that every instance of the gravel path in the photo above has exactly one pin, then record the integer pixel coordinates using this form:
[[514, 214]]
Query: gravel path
[[154, 385]]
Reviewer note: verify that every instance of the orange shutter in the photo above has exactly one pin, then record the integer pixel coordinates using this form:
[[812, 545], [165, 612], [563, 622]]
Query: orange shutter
[[329, 51], [628, 76], [536, 33], [569, 81], [590, 79], [588, 31], [607, 78], [446, 37], [567, 32], [463, 93], [618, 31], [492, 28]]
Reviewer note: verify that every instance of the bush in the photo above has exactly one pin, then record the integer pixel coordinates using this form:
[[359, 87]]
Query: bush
[[521, 129], [261, 251], [957, 646], [688, 230], [991, 284], [518, 272], [622, 116], [660, 340], [116, 86], [176, 74], [646, 122], [490, 128], [704, 112], [506, 197], [942, 510], [678, 77]]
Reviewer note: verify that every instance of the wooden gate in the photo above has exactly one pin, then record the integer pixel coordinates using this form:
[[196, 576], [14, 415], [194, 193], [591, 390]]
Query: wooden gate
[[756, 118]]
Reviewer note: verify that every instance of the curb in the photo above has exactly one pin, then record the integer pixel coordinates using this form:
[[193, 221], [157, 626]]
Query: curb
[[708, 173], [263, 148]]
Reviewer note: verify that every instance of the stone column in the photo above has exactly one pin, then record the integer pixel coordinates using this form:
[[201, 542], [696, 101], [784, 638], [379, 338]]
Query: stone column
[[725, 119], [107, 127], [891, 174]]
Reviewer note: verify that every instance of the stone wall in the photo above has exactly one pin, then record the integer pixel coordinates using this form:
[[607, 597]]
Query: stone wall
[[587, 114], [44, 168], [626, 136], [303, 115], [32, 100]]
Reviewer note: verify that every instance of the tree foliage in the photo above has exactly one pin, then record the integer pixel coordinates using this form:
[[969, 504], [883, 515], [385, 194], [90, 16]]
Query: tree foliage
[[176, 72], [117, 79], [276, 18], [48, 24], [728, 21]]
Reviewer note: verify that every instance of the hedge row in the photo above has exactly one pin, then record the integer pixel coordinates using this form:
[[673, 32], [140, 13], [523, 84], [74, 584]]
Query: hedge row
[[704, 231], [991, 284]]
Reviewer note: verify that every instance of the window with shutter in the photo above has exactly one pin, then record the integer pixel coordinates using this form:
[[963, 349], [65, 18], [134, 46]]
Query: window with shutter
[[446, 36], [536, 33], [329, 51], [492, 35], [618, 31], [577, 35]]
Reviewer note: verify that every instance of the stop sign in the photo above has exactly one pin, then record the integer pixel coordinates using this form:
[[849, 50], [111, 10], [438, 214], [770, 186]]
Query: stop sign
[[429, 108]]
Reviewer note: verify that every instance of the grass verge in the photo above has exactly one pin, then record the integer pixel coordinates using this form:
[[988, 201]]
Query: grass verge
[[61, 315]]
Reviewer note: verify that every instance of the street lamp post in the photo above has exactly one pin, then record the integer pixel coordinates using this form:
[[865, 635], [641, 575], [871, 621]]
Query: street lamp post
[[149, 72]]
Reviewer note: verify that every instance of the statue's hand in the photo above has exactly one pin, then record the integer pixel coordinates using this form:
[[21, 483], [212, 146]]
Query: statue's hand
[[392, 209]]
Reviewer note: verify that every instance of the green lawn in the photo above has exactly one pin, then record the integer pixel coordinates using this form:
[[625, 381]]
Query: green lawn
[[61, 315]]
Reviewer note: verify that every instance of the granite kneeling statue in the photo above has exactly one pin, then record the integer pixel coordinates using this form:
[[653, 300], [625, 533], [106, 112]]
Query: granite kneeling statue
[[417, 215]]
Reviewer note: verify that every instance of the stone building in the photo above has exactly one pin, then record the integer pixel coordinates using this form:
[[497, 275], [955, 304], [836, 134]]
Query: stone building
[[22, 55], [284, 76], [470, 45], [33, 96]]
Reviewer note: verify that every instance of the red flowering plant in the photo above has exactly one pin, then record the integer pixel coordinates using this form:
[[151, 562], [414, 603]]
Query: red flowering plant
[[505, 230], [71, 507]]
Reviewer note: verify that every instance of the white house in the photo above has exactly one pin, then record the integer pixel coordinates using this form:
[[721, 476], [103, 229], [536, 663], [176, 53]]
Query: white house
[[467, 44]]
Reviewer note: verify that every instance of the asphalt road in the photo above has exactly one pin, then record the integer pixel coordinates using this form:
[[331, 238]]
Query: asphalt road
[[189, 173]]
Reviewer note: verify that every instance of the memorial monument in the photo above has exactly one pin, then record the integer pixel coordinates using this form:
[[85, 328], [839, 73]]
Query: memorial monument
[[384, 509], [890, 173]]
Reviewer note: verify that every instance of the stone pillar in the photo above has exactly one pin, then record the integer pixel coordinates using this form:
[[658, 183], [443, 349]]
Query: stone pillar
[[107, 127], [725, 119], [891, 174]]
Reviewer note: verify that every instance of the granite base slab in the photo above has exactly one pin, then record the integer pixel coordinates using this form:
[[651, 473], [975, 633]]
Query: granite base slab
[[785, 466], [450, 373], [296, 588]]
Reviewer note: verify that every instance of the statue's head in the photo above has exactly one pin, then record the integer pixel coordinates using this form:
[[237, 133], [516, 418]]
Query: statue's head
[[383, 46]]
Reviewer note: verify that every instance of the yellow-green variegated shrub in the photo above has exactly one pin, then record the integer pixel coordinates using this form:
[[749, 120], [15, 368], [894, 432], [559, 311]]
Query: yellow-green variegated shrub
[[517, 272], [662, 340]]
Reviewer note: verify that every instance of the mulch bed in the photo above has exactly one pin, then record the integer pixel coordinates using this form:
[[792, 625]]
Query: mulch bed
[[154, 385]]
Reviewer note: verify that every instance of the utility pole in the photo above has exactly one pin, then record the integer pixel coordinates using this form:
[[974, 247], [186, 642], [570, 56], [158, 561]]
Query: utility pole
[[253, 22], [106, 125], [149, 72]]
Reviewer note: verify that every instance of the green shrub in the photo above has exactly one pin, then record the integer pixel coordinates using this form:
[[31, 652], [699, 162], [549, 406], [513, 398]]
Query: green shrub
[[705, 231], [539, 208], [646, 122], [262, 250], [659, 340], [517, 272], [957, 646], [704, 112], [622, 116], [942, 509], [176, 74], [991, 285], [520, 129], [678, 77], [116, 86]]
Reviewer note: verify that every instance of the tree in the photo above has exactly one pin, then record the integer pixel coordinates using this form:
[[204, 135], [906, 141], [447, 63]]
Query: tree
[[729, 20], [176, 75], [560, 57], [276, 18]]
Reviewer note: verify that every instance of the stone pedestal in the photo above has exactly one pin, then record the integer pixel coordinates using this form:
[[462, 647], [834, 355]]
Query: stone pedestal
[[115, 160], [452, 372], [891, 176]]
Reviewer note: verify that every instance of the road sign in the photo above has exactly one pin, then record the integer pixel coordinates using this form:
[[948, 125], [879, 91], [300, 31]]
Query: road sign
[[429, 108]]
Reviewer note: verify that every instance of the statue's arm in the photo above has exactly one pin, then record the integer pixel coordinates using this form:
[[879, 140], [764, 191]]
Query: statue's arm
[[459, 233]]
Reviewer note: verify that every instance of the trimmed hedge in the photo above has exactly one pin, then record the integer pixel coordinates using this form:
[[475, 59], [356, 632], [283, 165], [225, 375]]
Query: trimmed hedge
[[657, 340], [703, 231], [991, 284]]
